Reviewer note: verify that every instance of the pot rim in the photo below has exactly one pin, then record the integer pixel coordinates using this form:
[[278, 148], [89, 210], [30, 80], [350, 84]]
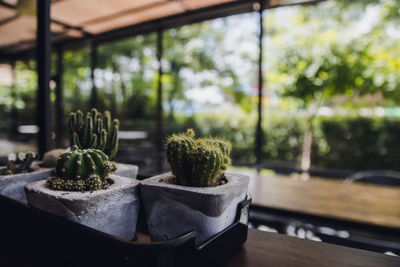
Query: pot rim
[[40, 187], [233, 178], [23, 173]]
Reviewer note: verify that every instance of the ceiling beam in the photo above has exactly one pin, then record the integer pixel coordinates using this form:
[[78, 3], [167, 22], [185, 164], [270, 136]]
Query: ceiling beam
[[188, 17], [65, 25], [9, 19], [4, 4]]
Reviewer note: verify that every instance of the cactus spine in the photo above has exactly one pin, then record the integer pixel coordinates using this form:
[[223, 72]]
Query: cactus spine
[[81, 170], [197, 162], [94, 131]]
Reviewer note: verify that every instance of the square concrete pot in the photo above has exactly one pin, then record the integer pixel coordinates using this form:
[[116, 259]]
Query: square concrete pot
[[127, 170], [12, 186], [172, 210], [113, 210]]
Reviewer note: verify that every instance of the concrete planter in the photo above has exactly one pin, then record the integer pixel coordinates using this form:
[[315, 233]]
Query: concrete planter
[[172, 210], [127, 170], [113, 211], [12, 186]]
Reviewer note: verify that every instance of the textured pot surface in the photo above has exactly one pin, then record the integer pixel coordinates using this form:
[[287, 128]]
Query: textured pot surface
[[113, 211], [12, 186], [172, 210], [127, 170]]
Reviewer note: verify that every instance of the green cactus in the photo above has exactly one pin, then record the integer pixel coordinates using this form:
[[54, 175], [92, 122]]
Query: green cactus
[[81, 170], [224, 146], [94, 131], [197, 162], [207, 161], [94, 182], [179, 147], [19, 164]]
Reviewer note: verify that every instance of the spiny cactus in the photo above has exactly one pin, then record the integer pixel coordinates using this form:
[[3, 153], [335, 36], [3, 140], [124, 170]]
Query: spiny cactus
[[19, 164], [81, 170], [224, 146], [197, 162], [207, 161], [94, 131], [179, 148]]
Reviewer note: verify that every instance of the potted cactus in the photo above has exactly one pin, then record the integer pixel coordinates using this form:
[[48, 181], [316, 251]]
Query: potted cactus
[[83, 190], [20, 170], [99, 131], [198, 195]]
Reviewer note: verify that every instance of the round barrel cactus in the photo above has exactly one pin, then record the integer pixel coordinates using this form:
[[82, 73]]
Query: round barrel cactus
[[81, 170], [197, 162]]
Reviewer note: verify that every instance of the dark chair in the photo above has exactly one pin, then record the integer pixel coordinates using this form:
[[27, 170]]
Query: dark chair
[[379, 177]]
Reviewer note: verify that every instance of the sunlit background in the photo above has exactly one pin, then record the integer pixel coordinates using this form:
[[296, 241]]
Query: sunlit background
[[330, 97], [327, 120]]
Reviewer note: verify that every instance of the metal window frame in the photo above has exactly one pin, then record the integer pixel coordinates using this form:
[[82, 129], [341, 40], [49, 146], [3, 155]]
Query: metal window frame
[[158, 25]]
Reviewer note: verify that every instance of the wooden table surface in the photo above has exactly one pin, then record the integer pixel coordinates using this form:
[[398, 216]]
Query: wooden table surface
[[372, 204], [270, 249]]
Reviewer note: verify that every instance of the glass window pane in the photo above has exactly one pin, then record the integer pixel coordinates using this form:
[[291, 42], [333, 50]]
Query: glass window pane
[[210, 80]]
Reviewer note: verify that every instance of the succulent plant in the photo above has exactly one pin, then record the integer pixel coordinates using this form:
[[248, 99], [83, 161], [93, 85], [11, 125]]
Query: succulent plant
[[179, 149], [81, 170], [225, 148], [94, 131], [197, 162], [19, 164]]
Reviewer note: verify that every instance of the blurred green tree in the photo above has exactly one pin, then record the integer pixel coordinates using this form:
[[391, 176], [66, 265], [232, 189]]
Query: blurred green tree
[[325, 51]]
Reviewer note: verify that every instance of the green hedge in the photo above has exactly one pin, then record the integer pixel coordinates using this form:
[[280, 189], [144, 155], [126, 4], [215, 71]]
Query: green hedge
[[357, 143], [348, 143]]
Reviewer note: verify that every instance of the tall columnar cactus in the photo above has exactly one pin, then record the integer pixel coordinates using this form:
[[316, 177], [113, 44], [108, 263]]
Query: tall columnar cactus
[[207, 161], [81, 170], [19, 164], [197, 162], [94, 131], [179, 149]]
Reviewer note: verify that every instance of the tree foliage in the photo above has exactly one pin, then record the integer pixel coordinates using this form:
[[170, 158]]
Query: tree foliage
[[325, 49]]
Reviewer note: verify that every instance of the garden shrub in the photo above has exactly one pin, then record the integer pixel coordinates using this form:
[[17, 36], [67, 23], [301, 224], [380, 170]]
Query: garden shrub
[[358, 143], [347, 143]]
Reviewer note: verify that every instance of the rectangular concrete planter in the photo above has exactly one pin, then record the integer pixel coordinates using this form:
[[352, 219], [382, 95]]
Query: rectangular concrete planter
[[172, 210], [12, 186], [113, 211], [127, 170]]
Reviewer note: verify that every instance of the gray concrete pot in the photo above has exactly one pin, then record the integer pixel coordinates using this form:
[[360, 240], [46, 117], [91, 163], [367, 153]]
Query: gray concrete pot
[[113, 211], [172, 210], [12, 186], [127, 170]]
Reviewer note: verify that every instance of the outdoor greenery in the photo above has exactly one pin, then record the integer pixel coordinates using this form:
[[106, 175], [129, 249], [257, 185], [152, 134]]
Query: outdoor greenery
[[331, 83], [346, 142], [356, 142], [350, 54]]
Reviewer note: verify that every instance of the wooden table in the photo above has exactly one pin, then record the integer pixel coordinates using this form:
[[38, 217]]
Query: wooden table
[[269, 249], [366, 204]]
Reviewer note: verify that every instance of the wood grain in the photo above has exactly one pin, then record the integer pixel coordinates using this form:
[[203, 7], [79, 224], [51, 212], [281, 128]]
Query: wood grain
[[270, 249], [377, 205]]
